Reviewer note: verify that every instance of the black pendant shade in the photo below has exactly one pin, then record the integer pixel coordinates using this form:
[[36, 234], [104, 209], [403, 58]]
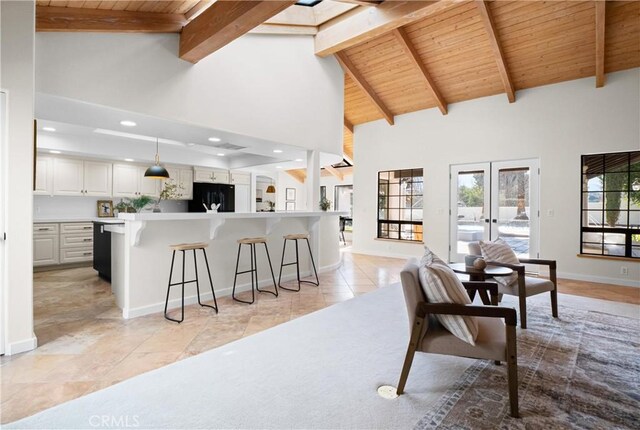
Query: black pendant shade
[[157, 171]]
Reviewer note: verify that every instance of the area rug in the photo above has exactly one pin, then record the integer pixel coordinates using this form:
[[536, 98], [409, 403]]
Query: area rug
[[581, 371]]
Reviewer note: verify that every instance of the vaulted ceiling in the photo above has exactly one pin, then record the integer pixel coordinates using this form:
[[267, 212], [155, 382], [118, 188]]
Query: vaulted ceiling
[[398, 56]]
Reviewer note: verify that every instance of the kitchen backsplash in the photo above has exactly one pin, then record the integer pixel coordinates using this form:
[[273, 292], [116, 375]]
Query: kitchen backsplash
[[80, 207]]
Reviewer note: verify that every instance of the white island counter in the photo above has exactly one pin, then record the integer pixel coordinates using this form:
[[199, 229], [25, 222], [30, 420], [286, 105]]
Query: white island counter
[[141, 257]]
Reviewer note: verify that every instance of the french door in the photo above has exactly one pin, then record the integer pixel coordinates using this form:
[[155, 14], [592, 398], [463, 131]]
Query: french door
[[495, 200]]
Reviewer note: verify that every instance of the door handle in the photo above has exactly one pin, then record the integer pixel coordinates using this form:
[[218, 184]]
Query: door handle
[[494, 221], [487, 220]]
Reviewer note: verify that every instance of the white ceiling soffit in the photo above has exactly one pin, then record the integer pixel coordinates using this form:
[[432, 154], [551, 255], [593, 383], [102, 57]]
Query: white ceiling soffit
[[79, 118]]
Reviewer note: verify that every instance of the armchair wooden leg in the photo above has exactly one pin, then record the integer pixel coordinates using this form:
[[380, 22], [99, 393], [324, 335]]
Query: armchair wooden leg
[[411, 352], [512, 369], [554, 303], [523, 311]]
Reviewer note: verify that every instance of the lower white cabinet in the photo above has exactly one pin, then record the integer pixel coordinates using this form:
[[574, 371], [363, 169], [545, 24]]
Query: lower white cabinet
[[62, 243]]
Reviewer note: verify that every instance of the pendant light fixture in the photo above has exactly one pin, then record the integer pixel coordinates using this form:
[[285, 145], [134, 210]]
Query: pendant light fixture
[[270, 189], [157, 171]]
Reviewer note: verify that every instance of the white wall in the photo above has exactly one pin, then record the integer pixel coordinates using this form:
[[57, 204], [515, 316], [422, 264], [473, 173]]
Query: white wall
[[555, 123], [17, 29], [267, 86], [285, 181]]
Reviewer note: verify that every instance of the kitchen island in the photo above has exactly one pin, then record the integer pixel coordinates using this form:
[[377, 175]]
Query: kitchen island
[[141, 257]]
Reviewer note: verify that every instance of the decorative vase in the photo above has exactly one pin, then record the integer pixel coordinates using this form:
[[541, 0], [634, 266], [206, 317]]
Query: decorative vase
[[479, 264]]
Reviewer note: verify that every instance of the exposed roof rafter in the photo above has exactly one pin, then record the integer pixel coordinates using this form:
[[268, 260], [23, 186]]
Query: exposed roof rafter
[[348, 125], [413, 55], [600, 42], [487, 20], [357, 77], [335, 172], [223, 22]]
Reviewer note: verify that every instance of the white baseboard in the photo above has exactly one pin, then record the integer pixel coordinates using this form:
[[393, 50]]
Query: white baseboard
[[205, 294], [599, 279], [22, 346]]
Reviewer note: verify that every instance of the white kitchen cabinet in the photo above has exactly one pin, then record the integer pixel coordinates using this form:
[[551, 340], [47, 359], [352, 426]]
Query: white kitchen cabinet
[[45, 244], [44, 176], [184, 178], [129, 181], [68, 177], [243, 198], [240, 178], [73, 177], [213, 176]]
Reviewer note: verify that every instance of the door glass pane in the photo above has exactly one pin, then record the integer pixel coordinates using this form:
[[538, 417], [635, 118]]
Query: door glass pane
[[514, 214], [471, 210]]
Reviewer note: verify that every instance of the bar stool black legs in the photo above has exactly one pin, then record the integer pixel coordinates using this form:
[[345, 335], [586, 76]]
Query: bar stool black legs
[[183, 248], [254, 269], [296, 237]]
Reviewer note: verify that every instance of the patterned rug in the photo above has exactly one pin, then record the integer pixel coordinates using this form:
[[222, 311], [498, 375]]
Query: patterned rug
[[580, 371]]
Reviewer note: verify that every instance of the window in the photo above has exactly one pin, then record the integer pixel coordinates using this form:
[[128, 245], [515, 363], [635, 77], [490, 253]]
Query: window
[[610, 204], [343, 199], [400, 204]]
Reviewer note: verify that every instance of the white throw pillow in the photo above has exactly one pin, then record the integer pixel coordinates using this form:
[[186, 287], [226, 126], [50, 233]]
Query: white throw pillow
[[441, 285], [430, 257], [500, 251]]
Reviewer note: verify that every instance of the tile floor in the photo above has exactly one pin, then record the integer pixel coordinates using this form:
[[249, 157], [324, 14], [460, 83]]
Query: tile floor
[[85, 345]]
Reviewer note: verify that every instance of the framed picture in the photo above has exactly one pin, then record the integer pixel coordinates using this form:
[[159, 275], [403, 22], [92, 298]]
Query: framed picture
[[291, 194], [105, 208], [290, 206], [258, 196]]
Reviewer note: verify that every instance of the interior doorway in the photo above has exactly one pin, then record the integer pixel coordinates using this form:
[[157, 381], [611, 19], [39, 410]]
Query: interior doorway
[[495, 200]]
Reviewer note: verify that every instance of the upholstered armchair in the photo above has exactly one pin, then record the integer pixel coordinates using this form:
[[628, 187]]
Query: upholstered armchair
[[496, 339], [526, 286]]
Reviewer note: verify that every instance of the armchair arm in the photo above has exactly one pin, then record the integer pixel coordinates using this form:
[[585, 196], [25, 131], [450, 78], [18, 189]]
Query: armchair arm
[[550, 263], [518, 268], [509, 314]]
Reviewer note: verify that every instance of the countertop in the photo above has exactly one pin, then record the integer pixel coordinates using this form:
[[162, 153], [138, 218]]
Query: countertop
[[187, 216], [77, 219]]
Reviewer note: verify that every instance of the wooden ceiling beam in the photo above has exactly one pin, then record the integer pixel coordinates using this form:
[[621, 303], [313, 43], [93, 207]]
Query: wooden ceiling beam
[[363, 24], [196, 10], [335, 172], [413, 55], [71, 19], [362, 2], [600, 42], [299, 175], [494, 41], [223, 22], [348, 125], [357, 77]]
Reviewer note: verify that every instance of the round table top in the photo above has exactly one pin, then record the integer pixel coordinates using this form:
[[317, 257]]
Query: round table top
[[488, 271]]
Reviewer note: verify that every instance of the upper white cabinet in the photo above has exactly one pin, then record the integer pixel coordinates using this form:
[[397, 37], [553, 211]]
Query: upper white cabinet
[[184, 178], [240, 178], [73, 177], [214, 176], [44, 176], [129, 181]]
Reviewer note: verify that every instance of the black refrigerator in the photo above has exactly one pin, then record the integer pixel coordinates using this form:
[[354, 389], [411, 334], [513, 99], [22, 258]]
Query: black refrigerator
[[208, 194]]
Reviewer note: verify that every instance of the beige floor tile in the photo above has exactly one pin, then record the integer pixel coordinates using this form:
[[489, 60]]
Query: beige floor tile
[[137, 363]]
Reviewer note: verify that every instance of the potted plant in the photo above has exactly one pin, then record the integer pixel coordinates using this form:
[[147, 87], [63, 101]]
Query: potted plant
[[272, 205], [140, 203], [171, 190], [325, 204]]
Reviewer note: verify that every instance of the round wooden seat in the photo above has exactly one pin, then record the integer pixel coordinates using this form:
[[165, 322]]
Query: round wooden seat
[[296, 236], [188, 246], [250, 240]]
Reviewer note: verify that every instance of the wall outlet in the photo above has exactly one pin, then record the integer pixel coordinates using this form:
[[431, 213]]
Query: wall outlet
[[624, 270]]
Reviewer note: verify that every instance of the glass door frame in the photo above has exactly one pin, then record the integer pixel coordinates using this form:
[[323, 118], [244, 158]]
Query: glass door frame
[[491, 198]]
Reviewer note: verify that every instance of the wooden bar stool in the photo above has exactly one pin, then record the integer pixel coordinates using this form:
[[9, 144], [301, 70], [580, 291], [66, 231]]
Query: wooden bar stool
[[252, 241], [183, 247], [296, 238]]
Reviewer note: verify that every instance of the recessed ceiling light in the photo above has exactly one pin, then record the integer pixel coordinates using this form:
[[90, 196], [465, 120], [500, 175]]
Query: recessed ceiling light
[[128, 123], [55, 152], [128, 159], [278, 167], [214, 139], [299, 159], [191, 144], [277, 151], [220, 154], [48, 129]]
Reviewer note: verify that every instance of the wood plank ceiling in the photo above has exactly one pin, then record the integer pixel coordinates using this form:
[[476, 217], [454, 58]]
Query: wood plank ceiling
[[431, 54]]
